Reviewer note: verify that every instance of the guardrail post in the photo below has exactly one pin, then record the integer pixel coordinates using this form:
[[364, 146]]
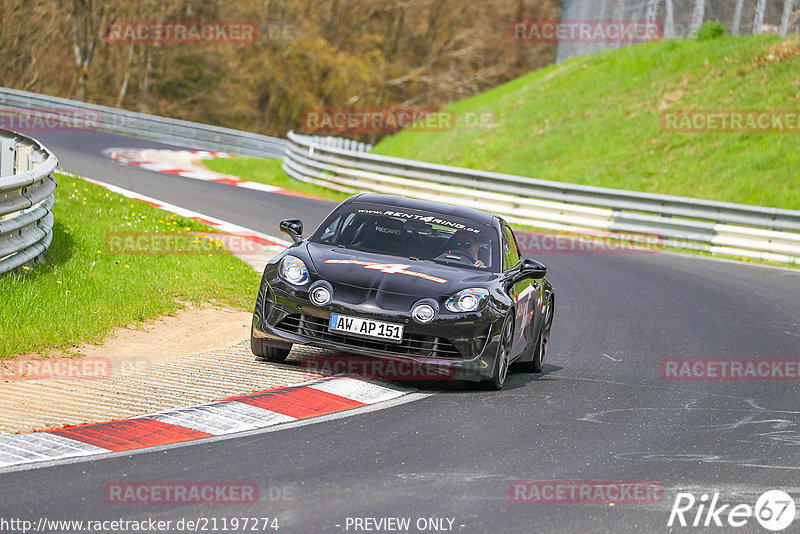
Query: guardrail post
[[22, 162], [6, 157]]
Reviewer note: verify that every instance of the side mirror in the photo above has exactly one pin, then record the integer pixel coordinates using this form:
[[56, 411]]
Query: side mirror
[[293, 228], [533, 269]]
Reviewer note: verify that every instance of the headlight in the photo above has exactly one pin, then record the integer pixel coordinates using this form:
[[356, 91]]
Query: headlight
[[294, 271], [467, 300]]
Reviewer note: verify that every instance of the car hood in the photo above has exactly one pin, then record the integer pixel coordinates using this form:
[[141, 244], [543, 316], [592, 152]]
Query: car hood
[[392, 274]]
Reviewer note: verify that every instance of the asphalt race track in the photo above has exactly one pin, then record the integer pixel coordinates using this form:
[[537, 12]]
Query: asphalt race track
[[600, 410], [81, 152]]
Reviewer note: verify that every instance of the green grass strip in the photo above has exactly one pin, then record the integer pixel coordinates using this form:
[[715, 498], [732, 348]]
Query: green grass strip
[[85, 289]]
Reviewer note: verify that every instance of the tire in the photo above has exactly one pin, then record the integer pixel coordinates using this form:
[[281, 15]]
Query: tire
[[535, 363], [260, 347], [540, 348], [500, 371], [268, 352]]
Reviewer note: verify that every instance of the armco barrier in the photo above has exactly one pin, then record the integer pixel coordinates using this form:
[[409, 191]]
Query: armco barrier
[[26, 200], [173, 131], [717, 227], [345, 165]]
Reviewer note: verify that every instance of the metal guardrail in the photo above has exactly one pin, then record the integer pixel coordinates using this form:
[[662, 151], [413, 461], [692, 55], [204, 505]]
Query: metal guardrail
[[163, 129], [26, 200], [717, 227], [346, 165]]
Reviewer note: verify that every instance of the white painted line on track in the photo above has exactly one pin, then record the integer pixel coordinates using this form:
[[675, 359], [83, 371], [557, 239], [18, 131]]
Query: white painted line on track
[[215, 222]]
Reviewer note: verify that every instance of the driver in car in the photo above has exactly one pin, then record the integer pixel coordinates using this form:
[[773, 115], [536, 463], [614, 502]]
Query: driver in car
[[468, 243]]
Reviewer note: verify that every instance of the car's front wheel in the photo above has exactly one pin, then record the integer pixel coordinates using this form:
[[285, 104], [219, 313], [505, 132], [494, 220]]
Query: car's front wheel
[[503, 354], [260, 348]]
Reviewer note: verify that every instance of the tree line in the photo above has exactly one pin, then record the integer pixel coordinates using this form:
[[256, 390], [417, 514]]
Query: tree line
[[310, 54]]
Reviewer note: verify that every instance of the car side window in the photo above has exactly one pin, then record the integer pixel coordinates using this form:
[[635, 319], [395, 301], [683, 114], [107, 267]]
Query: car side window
[[330, 231], [510, 252]]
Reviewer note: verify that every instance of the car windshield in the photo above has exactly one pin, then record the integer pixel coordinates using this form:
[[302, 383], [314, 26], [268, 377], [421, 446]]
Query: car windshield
[[411, 234]]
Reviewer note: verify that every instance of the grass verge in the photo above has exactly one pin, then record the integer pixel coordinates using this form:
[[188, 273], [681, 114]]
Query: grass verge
[[596, 120], [84, 291]]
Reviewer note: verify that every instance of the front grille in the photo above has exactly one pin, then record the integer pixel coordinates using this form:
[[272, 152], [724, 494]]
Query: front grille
[[412, 344]]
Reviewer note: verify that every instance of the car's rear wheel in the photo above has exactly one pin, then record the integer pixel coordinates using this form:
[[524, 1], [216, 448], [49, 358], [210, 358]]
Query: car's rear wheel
[[503, 354], [260, 348], [540, 348]]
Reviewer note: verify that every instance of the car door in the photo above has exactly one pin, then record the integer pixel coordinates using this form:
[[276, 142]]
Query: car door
[[524, 292]]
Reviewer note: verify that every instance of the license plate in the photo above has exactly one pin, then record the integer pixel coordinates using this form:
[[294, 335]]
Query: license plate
[[366, 328]]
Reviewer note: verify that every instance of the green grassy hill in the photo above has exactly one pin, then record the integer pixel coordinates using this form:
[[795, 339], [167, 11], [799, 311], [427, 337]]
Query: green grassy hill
[[597, 120]]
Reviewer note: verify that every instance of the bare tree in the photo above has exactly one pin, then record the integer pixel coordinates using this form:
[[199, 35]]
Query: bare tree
[[123, 89], [341, 53], [147, 81], [86, 20]]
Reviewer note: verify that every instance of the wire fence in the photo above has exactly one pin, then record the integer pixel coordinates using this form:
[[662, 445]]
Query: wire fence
[[680, 18]]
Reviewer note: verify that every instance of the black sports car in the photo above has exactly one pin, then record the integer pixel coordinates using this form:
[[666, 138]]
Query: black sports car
[[408, 281]]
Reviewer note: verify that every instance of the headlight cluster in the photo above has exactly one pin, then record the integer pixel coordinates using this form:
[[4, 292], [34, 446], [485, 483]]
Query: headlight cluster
[[468, 300], [294, 271]]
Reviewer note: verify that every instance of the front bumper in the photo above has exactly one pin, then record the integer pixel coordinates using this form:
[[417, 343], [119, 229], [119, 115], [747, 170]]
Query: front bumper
[[454, 347]]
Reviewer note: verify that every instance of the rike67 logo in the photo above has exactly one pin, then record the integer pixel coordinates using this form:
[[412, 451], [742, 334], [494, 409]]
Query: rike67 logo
[[774, 510]]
